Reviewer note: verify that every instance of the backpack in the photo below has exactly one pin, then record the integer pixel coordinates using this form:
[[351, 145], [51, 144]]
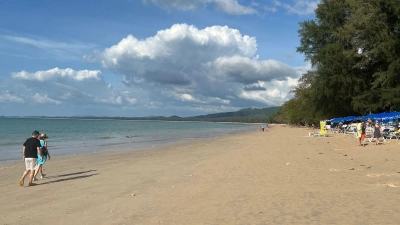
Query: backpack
[[43, 148]]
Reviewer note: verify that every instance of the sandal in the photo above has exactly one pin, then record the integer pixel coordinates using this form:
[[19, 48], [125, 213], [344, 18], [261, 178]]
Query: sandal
[[21, 182], [32, 184]]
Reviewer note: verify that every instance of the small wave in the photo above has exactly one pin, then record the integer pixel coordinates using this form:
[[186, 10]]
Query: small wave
[[111, 144], [12, 143], [133, 136], [104, 138]]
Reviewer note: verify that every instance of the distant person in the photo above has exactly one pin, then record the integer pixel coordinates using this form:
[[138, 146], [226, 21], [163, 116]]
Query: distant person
[[31, 150], [313, 127], [370, 122], [359, 125], [259, 128], [42, 160], [266, 127], [377, 132], [362, 140], [262, 128]]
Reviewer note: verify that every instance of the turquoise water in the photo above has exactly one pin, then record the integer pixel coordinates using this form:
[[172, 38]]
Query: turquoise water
[[74, 136]]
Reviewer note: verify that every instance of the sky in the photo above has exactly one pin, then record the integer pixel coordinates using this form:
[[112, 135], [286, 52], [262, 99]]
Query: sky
[[148, 57]]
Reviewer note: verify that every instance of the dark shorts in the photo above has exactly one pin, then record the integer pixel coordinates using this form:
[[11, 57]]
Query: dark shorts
[[262, 129]]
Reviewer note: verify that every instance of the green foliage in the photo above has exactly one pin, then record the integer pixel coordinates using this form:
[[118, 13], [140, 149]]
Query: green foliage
[[248, 115], [354, 49]]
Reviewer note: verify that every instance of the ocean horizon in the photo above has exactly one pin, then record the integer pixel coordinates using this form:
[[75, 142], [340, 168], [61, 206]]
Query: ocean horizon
[[68, 136]]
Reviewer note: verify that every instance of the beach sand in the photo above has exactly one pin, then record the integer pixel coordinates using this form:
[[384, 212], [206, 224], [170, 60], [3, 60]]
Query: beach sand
[[277, 177]]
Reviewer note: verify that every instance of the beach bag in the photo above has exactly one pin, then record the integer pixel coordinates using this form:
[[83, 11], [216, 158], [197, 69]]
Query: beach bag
[[43, 148]]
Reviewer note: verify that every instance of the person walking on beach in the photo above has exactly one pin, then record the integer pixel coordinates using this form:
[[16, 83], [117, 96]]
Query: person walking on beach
[[266, 127], [42, 160], [263, 128], [377, 132], [30, 152]]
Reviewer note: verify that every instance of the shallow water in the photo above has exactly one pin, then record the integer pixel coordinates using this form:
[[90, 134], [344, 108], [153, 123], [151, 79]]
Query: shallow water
[[74, 136]]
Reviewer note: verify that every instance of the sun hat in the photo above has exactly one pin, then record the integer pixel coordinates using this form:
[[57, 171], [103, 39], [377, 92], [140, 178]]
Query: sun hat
[[43, 135], [35, 132]]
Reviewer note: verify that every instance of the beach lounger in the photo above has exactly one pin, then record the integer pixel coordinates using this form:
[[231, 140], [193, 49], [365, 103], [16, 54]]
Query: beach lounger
[[318, 134], [371, 139], [350, 133], [392, 136]]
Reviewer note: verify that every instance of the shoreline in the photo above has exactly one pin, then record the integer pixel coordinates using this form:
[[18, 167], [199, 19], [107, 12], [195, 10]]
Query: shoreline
[[276, 177], [153, 145], [124, 138]]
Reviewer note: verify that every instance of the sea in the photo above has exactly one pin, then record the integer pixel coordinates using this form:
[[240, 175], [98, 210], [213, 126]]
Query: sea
[[68, 136]]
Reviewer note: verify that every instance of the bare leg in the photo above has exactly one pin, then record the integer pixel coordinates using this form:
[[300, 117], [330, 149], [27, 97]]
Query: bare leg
[[21, 182], [38, 168], [31, 176]]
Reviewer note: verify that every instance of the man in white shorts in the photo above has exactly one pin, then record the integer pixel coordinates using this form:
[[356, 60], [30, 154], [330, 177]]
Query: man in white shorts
[[30, 152]]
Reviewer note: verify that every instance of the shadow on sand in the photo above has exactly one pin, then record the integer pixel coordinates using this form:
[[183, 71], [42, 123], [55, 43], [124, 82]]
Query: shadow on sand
[[74, 177], [71, 174]]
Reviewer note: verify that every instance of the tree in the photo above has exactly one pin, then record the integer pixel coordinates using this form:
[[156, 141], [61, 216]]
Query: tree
[[354, 49]]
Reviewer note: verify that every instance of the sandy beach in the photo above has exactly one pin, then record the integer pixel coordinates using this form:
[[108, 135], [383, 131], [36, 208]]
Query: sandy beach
[[277, 177]]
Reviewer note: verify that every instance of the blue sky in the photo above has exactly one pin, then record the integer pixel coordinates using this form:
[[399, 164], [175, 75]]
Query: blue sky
[[152, 57]]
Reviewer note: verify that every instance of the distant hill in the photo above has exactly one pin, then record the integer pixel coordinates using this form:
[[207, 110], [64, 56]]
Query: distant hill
[[248, 115]]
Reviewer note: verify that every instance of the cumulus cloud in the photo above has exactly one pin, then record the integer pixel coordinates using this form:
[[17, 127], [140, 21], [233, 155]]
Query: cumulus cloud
[[6, 97], [44, 99], [77, 87], [248, 71], [299, 7], [232, 7], [182, 69], [213, 66]]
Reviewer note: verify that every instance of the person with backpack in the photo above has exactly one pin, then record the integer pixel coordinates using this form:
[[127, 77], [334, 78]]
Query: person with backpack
[[46, 155]]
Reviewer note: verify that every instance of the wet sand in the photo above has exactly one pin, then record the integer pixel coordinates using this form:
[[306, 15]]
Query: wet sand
[[277, 177]]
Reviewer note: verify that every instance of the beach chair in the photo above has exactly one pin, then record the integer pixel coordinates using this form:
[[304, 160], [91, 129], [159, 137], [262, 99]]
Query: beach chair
[[318, 134], [392, 135], [371, 139], [350, 133]]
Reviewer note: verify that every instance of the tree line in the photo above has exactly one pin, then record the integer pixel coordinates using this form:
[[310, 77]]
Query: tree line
[[353, 47]]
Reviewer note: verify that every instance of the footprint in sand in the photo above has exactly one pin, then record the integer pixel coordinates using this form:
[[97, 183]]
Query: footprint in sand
[[389, 184], [333, 170], [378, 175]]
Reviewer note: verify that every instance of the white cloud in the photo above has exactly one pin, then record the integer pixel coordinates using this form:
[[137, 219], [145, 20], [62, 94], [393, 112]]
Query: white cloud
[[40, 47], [130, 100], [213, 66], [232, 7], [55, 73], [46, 44], [44, 99], [7, 97], [187, 97], [76, 87], [248, 71], [300, 7]]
